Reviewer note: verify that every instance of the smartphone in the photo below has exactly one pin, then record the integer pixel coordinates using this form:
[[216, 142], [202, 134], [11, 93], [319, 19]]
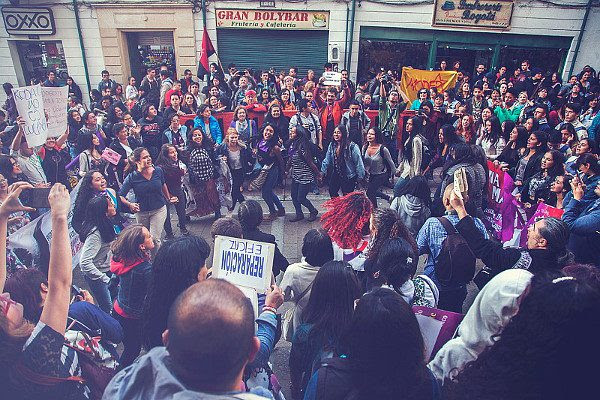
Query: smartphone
[[35, 197], [76, 290]]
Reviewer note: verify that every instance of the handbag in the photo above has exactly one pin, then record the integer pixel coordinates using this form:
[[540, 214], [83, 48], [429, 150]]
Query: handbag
[[258, 182], [437, 327], [287, 324]]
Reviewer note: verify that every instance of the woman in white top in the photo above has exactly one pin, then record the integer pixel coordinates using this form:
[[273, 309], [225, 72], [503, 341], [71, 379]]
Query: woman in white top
[[297, 279], [491, 139], [131, 91]]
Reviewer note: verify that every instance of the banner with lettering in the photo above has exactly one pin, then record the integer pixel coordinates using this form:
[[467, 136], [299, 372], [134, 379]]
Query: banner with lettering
[[501, 208], [24, 246], [55, 107], [490, 14], [30, 106], [543, 211], [415, 79]]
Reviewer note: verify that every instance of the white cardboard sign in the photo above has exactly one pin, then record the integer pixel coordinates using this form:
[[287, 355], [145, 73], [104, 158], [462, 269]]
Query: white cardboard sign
[[30, 105], [243, 262], [332, 78], [55, 105]]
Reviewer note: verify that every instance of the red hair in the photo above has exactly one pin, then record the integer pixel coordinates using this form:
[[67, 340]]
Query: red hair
[[345, 218]]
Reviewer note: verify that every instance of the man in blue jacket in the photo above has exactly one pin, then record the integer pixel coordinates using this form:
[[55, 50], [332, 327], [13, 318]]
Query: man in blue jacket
[[584, 225]]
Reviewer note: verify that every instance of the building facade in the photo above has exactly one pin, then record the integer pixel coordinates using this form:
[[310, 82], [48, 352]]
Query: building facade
[[126, 36]]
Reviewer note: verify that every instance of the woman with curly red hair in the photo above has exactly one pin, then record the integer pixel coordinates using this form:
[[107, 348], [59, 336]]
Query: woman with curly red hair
[[347, 223]]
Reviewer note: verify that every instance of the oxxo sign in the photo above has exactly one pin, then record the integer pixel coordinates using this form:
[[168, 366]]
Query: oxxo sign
[[28, 21]]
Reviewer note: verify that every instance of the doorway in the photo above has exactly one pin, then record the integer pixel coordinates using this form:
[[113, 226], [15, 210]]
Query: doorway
[[38, 58], [150, 50]]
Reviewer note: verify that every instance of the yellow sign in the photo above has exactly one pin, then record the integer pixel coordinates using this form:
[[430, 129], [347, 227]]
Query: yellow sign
[[414, 80], [490, 14], [272, 19]]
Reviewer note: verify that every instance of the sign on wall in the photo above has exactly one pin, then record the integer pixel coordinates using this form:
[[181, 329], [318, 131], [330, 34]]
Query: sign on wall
[[490, 14], [271, 19], [28, 20]]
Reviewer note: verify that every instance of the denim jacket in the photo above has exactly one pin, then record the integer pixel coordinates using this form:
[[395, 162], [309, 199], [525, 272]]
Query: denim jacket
[[133, 286], [352, 157]]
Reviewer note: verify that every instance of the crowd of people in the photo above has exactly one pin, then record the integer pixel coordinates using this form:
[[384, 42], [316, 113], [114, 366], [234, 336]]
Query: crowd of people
[[352, 325]]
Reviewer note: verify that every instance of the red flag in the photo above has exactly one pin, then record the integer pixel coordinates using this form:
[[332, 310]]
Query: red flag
[[207, 50]]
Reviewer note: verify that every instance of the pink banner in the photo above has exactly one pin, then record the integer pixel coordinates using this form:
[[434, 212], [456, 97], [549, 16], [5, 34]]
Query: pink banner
[[542, 211], [501, 208]]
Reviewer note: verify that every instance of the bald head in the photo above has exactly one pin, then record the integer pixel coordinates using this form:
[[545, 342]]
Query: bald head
[[446, 197], [211, 335]]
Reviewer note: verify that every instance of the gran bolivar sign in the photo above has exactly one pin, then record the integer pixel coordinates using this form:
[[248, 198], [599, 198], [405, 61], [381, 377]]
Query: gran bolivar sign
[[490, 14]]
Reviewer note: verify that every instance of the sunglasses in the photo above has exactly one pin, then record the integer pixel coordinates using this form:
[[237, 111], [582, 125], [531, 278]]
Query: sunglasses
[[6, 302]]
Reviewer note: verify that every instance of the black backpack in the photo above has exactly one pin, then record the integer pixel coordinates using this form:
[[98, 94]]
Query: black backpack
[[456, 262]]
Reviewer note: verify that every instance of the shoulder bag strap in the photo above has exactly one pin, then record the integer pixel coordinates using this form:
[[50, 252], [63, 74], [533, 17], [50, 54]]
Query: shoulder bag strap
[[297, 299], [450, 229]]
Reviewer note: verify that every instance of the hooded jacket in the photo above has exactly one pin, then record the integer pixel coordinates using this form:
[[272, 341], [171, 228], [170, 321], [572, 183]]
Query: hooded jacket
[[152, 378], [134, 279], [412, 210], [492, 309]]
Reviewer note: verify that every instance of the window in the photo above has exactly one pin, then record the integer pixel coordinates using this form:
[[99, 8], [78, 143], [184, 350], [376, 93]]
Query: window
[[390, 55]]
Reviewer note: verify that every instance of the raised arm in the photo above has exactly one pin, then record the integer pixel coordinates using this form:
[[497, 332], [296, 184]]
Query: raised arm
[[56, 307], [9, 206], [16, 143]]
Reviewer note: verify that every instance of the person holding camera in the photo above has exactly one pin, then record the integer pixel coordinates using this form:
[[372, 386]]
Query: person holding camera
[[330, 110], [390, 108]]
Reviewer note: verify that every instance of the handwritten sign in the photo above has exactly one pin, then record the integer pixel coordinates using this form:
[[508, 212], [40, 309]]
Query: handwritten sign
[[414, 80], [332, 78], [111, 156], [243, 262], [55, 105], [30, 105]]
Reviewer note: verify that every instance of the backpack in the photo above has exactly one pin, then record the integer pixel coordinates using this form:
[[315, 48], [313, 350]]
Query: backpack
[[455, 265]]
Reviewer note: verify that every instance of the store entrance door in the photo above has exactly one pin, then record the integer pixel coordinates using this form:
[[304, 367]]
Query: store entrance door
[[38, 58], [469, 56], [150, 49]]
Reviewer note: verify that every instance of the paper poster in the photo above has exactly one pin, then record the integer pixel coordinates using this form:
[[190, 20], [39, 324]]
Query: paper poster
[[111, 156], [30, 105], [332, 78], [501, 210], [55, 105], [243, 262]]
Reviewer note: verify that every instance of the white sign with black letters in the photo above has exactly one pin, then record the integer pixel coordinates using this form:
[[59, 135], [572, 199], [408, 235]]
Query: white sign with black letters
[[28, 20]]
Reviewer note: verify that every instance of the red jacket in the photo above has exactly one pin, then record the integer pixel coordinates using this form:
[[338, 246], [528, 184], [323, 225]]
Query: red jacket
[[337, 110]]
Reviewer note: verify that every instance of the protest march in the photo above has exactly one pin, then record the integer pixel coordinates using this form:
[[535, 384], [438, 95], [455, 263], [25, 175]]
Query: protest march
[[412, 233]]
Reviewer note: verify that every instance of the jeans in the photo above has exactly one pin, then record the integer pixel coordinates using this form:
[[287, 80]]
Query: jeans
[[132, 339], [100, 293], [267, 190], [375, 183], [299, 192], [179, 208], [237, 179], [399, 185], [154, 221], [338, 182]]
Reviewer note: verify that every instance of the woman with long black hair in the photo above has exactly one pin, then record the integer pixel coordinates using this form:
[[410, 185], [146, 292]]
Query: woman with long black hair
[[96, 235], [201, 169], [414, 159], [530, 163], [538, 186], [446, 138], [491, 139], [382, 358], [92, 185], [268, 155], [514, 149], [168, 160], [343, 162], [303, 171], [378, 162], [324, 320], [90, 157]]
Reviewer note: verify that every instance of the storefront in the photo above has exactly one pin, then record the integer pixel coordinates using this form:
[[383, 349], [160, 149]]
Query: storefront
[[267, 39], [150, 50], [39, 57]]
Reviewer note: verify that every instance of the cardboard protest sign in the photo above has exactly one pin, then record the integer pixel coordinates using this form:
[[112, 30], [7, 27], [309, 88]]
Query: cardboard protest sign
[[55, 106], [332, 78], [30, 106], [111, 156], [243, 262], [501, 210], [414, 80]]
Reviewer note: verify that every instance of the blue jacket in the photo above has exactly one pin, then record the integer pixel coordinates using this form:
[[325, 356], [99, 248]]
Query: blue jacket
[[215, 128], [584, 224], [134, 279], [354, 162]]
